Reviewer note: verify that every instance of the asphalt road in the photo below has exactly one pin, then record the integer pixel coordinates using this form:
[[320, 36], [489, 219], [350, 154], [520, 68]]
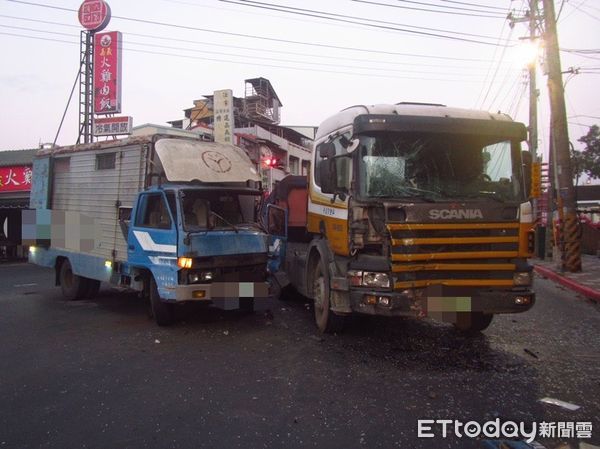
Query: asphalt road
[[100, 374]]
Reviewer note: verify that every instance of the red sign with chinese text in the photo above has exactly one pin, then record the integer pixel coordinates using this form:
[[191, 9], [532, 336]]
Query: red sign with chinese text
[[107, 72], [112, 126], [15, 179], [94, 15]]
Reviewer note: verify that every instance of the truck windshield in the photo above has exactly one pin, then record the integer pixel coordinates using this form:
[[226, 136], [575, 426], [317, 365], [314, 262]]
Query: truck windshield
[[435, 167], [212, 209]]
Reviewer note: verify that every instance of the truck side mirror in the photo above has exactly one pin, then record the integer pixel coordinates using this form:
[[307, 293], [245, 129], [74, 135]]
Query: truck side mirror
[[328, 175], [326, 150]]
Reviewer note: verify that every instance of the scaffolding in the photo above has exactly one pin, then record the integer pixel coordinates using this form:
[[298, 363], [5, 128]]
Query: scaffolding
[[86, 81], [261, 102]]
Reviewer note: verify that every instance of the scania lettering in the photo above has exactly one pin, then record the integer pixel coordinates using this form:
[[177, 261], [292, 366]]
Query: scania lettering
[[446, 214]]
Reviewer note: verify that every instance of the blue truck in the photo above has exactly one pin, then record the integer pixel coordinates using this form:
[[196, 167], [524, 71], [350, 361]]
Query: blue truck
[[172, 218]]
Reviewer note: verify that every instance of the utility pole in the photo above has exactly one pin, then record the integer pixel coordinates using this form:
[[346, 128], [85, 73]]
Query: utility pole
[[531, 17], [570, 237], [533, 92]]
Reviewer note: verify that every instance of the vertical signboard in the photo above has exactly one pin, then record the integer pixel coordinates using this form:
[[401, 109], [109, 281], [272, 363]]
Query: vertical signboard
[[223, 116], [107, 72]]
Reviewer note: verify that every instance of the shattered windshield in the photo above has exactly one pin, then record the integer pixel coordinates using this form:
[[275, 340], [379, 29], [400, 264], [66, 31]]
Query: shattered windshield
[[432, 167], [213, 209]]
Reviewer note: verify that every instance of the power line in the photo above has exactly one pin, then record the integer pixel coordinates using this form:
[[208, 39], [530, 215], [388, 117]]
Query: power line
[[336, 18], [442, 6], [430, 10], [166, 47], [304, 69], [589, 14], [228, 33], [474, 4], [290, 9], [497, 69], [329, 57]]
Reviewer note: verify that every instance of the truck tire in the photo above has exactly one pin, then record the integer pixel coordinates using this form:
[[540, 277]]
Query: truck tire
[[327, 321], [163, 312], [73, 287], [474, 322]]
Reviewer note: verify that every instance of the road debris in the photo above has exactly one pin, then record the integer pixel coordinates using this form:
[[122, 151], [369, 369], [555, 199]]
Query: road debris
[[157, 341], [560, 403], [531, 353]]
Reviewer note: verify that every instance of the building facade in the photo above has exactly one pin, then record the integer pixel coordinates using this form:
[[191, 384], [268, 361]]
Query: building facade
[[15, 185], [276, 150]]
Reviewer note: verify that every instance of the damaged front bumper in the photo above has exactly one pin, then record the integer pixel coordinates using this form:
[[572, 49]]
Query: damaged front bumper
[[225, 295], [437, 302]]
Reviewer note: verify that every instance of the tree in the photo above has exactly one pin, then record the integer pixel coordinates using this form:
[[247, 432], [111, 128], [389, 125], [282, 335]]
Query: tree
[[577, 163], [590, 156]]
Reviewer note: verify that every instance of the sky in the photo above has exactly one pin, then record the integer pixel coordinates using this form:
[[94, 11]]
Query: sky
[[458, 53]]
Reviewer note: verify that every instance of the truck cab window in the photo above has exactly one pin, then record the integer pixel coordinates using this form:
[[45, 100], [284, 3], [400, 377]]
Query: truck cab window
[[216, 209], [343, 165], [405, 165], [154, 212]]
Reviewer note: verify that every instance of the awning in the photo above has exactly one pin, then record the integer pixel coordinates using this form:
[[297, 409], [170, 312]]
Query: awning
[[14, 203]]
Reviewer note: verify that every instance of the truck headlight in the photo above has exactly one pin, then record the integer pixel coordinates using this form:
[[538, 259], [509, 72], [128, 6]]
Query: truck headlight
[[368, 279], [523, 278], [204, 276], [375, 279]]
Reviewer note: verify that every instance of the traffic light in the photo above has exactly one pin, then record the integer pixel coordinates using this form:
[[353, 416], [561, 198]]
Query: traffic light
[[536, 180], [272, 162]]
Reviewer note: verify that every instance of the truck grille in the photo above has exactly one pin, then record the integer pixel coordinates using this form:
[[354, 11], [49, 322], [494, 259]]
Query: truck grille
[[460, 254], [238, 268]]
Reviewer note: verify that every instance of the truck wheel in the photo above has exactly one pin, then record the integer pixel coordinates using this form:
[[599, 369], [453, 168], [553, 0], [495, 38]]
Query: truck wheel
[[163, 312], [474, 322], [327, 321], [73, 287]]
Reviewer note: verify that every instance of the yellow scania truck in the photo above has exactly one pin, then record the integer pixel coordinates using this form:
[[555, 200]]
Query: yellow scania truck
[[409, 209]]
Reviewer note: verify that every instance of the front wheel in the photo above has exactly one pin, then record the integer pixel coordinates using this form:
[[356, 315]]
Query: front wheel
[[474, 322], [163, 312], [327, 321], [73, 286]]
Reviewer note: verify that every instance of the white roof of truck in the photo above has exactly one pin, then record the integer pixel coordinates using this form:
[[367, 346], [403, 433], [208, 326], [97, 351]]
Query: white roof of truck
[[346, 117], [210, 162]]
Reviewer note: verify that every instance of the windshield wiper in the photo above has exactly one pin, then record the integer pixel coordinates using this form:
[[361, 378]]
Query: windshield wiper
[[430, 196], [249, 224], [485, 194], [225, 221]]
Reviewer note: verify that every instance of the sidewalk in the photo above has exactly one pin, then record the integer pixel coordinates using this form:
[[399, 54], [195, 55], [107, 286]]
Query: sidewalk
[[586, 283]]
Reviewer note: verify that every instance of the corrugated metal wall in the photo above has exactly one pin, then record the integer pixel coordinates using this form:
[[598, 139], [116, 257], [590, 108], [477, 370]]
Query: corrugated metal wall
[[84, 189]]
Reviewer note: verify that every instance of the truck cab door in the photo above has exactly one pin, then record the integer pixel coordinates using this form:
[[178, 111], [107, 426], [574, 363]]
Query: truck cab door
[[152, 237], [277, 223]]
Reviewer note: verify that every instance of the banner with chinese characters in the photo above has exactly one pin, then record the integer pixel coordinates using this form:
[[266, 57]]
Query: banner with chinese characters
[[112, 126], [15, 179], [224, 124], [107, 72]]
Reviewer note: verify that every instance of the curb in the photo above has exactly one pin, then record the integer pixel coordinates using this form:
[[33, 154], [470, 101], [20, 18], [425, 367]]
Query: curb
[[581, 289]]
